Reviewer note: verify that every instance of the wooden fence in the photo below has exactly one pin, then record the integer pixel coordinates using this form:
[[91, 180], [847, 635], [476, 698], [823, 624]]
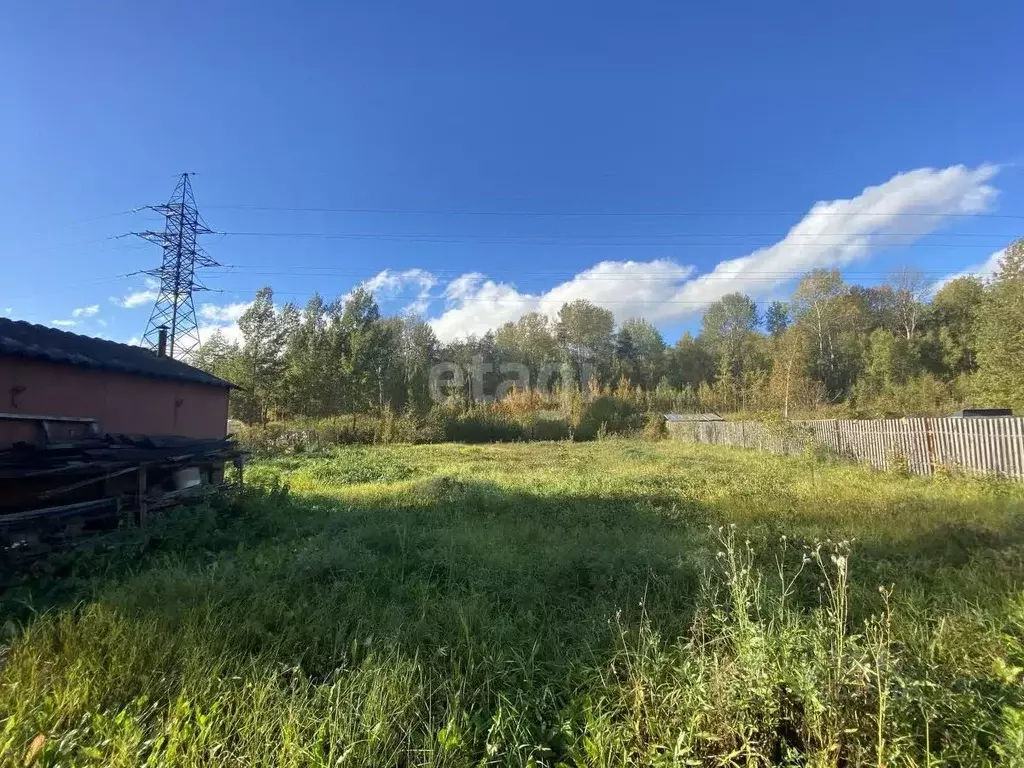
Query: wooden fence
[[972, 446]]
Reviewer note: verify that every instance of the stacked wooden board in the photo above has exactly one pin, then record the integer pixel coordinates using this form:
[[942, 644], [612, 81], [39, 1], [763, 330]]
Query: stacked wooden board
[[53, 493]]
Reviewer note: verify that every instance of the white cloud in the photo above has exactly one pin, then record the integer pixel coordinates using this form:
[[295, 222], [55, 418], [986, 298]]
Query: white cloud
[[388, 285], [138, 298], [832, 234], [224, 313], [223, 318], [64, 323], [985, 270], [89, 311], [836, 233], [231, 332], [476, 304]]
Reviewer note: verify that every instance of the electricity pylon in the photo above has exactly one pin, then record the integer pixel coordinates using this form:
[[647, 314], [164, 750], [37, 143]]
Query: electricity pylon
[[174, 309]]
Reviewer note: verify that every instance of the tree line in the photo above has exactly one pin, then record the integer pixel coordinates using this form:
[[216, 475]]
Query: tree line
[[896, 349]]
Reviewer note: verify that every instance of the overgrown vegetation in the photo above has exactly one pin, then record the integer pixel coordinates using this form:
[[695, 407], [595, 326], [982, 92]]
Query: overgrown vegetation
[[609, 603], [565, 414], [834, 350]]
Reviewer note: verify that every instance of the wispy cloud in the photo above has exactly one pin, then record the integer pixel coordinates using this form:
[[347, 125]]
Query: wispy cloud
[[983, 270], [224, 313], [833, 233], [389, 285], [223, 318], [64, 323], [138, 298], [231, 332], [89, 311]]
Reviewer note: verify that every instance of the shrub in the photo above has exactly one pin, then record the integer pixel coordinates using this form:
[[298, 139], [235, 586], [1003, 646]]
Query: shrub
[[654, 428], [545, 427], [482, 425], [610, 414]]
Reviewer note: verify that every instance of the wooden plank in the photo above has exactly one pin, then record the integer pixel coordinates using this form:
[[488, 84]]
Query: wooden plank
[[955, 428], [84, 483], [1016, 428], [141, 498], [1018, 447], [984, 459], [58, 511], [996, 437], [972, 440]]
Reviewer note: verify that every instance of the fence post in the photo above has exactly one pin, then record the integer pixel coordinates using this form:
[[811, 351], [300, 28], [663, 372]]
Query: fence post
[[930, 438]]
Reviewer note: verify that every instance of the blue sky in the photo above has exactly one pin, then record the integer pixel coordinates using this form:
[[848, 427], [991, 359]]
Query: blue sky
[[477, 160]]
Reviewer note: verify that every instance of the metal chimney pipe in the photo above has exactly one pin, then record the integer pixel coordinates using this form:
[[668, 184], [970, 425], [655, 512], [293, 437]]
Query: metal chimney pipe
[[161, 344]]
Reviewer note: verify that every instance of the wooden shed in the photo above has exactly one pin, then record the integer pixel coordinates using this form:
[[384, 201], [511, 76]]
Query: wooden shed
[[678, 423], [91, 429], [72, 385]]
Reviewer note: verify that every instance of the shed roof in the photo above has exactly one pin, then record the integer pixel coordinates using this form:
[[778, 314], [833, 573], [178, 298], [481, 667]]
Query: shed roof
[[709, 416], [37, 342], [981, 413]]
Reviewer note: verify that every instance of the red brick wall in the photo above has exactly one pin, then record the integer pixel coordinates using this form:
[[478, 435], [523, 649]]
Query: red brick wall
[[121, 402]]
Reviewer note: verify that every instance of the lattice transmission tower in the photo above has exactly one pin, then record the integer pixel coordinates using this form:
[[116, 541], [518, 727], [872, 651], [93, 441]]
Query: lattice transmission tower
[[174, 310]]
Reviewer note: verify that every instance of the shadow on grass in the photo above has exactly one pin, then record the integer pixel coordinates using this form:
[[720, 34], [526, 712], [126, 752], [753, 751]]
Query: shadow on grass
[[489, 600], [448, 564]]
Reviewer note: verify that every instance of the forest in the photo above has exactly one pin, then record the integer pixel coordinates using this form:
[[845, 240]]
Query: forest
[[905, 347]]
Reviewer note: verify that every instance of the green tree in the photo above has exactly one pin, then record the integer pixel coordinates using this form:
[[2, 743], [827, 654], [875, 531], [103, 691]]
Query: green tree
[[890, 362], [690, 363], [953, 317], [640, 352], [875, 307], [727, 328], [419, 347], [585, 332], [776, 319], [217, 356], [364, 347], [530, 341], [261, 361], [1000, 375], [310, 363], [909, 290], [818, 305], [789, 386]]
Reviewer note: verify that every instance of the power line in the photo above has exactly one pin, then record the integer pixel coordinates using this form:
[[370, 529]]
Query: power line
[[598, 214], [525, 298], [413, 273], [646, 277], [659, 241]]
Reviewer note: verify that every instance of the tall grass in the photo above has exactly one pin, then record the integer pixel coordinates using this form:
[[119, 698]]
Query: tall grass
[[521, 416], [597, 604]]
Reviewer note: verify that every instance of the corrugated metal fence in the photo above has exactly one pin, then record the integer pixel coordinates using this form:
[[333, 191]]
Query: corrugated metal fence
[[973, 446]]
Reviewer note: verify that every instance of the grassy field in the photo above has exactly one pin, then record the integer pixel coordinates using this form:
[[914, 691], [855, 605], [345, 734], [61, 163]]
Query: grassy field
[[581, 604]]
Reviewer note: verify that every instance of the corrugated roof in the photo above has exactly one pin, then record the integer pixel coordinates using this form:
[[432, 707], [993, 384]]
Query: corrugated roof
[[37, 342], [693, 417], [981, 413]]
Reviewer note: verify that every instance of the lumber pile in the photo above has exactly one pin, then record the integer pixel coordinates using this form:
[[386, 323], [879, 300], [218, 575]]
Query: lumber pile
[[59, 491]]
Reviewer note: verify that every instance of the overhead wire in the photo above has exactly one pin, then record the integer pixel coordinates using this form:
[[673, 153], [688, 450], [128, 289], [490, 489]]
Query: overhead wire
[[683, 239], [904, 240], [597, 214]]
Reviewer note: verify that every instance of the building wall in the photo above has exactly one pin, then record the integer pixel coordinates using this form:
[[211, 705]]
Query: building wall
[[122, 403]]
